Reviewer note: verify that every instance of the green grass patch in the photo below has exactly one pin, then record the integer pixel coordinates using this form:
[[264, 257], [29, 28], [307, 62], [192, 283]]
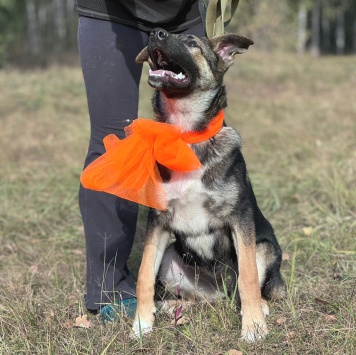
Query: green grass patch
[[297, 118]]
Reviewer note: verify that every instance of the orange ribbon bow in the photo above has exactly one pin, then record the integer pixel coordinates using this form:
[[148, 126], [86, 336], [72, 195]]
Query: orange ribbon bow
[[128, 168]]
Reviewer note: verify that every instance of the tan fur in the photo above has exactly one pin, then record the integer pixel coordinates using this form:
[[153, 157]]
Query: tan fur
[[253, 322], [155, 246]]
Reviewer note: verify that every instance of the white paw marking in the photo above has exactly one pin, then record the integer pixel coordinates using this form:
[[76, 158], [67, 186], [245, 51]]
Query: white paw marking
[[254, 335], [141, 328]]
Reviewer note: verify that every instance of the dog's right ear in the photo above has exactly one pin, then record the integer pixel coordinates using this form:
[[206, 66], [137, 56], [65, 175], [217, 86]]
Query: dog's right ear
[[142, 56], [227, 45]]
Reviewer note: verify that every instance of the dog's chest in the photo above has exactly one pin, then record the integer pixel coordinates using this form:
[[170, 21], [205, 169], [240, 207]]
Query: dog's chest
[[187, 197]]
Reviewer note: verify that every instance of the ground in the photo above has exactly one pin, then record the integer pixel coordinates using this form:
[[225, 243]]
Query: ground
[[297, 116]]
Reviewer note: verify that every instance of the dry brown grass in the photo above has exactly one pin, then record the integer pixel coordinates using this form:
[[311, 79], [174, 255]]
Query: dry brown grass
[[297, 116]]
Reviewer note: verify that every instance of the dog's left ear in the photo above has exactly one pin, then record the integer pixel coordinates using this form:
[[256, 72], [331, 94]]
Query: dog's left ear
[[227, 45], [142, 56]]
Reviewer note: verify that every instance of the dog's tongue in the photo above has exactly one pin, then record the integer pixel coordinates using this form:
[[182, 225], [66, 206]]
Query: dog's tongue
[[166, 75]]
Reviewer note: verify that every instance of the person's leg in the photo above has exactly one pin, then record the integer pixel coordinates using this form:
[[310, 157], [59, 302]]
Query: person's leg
[[107, 52], [197, 30]]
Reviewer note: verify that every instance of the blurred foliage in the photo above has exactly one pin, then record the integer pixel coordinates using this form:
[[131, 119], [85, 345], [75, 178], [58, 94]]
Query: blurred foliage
[[12, 26], [273, 24], [263, 21], [36, 32]]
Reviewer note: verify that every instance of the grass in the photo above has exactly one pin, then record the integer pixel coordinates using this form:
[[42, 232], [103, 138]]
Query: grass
[[297, 116]]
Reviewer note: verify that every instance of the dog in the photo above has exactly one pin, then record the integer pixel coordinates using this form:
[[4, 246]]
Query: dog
[[221, 236]]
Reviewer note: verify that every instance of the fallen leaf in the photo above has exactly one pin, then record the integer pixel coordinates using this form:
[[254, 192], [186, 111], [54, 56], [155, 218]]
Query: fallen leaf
[[330, 317], [234, 352], [72, 299], [78, 252], [68, 324], [290, 335], [281, 320], [285, 256], [34, 269], [181, 321], [308, 230], [82, 322]]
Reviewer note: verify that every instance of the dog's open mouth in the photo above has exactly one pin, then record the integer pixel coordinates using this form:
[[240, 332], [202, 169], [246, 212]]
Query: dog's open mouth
[[165, 70]]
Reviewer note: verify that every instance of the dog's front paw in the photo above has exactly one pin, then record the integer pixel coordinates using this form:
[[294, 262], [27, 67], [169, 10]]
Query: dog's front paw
[[141, 328], [255, 331]]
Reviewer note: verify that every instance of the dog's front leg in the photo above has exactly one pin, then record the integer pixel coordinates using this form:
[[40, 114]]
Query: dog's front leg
[[155, 245], [254, 326]]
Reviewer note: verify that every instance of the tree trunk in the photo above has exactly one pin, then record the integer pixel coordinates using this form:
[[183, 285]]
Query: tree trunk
[[302, 28], [59, 19], [340, 31], [34, 42], [354, 36], [326, 31], [315, 38], [71, 23]]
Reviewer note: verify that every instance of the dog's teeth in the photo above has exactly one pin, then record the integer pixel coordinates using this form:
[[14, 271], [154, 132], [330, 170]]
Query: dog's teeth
[[161, 73], [156, 72]]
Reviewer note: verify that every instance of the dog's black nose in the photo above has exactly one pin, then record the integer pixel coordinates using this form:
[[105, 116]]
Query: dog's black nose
[[159, 33]]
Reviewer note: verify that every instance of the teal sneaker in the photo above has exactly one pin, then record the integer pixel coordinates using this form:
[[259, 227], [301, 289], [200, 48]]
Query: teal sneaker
[[113, 312]]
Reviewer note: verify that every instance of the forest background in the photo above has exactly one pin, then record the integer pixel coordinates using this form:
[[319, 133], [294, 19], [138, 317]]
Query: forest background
[[38, 32]]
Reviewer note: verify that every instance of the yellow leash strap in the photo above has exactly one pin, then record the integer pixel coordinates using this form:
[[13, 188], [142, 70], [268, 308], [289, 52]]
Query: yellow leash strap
[[219, 14]]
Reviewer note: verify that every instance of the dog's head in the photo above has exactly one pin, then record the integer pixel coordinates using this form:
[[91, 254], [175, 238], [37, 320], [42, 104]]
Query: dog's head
[[183, 63]]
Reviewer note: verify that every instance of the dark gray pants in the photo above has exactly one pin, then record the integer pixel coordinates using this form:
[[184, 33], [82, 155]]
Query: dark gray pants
[[107, 51]]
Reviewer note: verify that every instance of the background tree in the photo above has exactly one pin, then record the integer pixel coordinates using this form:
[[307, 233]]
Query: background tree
[[12, 27], [38, 32], [302, 34]]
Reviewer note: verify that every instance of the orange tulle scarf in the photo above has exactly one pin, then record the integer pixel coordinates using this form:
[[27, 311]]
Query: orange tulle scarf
[[128, 168]]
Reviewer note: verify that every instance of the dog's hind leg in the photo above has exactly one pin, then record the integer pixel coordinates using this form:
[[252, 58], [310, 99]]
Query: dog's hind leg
[[155, 245], [269, 276], [178, 277]]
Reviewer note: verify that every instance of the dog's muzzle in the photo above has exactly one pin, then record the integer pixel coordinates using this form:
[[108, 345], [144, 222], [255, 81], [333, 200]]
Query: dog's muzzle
[[165, 72]]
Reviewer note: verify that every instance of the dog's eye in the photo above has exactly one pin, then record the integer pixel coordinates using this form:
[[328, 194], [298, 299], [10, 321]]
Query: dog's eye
[[193, 44]]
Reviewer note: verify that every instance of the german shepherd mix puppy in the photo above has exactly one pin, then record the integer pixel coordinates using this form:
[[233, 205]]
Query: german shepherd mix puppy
[[221, 236]]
